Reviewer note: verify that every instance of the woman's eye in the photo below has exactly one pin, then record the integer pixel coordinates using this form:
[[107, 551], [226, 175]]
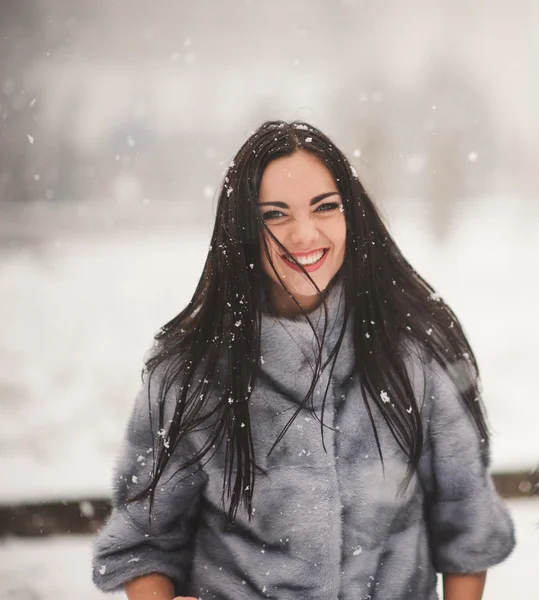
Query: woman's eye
[[272, 214], [327, 207]]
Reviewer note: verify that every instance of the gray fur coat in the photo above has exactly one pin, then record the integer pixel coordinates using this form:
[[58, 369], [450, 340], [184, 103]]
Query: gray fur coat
[[328, 524]]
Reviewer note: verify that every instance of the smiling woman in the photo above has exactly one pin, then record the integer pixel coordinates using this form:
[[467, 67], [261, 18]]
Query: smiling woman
[[310, 425], [306, 234]]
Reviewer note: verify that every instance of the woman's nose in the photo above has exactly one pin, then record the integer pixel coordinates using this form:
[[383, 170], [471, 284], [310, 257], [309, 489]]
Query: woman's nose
[[303, 233]]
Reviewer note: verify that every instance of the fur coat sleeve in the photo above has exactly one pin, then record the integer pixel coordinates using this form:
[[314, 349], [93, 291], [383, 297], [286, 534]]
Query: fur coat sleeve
[[470, 527], [131, 545]]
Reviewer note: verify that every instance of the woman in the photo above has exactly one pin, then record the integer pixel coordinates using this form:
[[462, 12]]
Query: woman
[[310, 425]]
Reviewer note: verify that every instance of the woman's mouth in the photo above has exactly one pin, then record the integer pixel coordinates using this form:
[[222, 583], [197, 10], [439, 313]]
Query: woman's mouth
[[310, 261]]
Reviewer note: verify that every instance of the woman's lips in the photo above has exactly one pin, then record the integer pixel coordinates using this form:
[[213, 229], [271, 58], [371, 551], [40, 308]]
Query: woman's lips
[[309, 268]]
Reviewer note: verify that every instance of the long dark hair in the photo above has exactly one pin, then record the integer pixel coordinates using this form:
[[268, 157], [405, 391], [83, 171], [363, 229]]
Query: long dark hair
[[214, 343]]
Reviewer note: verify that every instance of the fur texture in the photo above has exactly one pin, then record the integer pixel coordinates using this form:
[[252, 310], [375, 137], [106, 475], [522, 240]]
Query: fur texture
[[328, 524]]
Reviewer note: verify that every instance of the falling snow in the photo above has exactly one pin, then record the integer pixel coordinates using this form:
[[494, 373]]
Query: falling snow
[[92, 473]]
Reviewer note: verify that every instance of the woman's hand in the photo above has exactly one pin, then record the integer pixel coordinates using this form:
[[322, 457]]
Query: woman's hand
[[153, 587], [464, 586]]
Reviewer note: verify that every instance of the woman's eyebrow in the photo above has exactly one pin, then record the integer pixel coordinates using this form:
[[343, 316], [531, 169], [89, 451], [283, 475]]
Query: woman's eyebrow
[[314, 200]]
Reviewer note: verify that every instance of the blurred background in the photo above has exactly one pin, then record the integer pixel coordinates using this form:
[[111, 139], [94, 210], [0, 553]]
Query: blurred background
[[117, 120]]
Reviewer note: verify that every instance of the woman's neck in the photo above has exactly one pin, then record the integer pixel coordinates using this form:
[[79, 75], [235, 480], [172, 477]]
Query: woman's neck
[[282, 305]]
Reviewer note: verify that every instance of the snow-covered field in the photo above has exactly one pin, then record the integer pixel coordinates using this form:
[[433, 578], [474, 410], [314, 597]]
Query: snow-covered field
[[59, 568], [79, 312]]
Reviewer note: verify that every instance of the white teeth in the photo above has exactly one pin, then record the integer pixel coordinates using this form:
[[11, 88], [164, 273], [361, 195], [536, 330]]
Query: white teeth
[[311, 258]]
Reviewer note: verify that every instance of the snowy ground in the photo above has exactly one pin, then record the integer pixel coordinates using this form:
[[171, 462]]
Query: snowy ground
[[79, 311], [59, 568]]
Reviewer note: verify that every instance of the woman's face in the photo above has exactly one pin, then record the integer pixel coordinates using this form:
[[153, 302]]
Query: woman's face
[[301, 206]]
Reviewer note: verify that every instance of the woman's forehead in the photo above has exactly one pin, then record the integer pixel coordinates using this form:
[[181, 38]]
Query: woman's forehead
[[299, 172]]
